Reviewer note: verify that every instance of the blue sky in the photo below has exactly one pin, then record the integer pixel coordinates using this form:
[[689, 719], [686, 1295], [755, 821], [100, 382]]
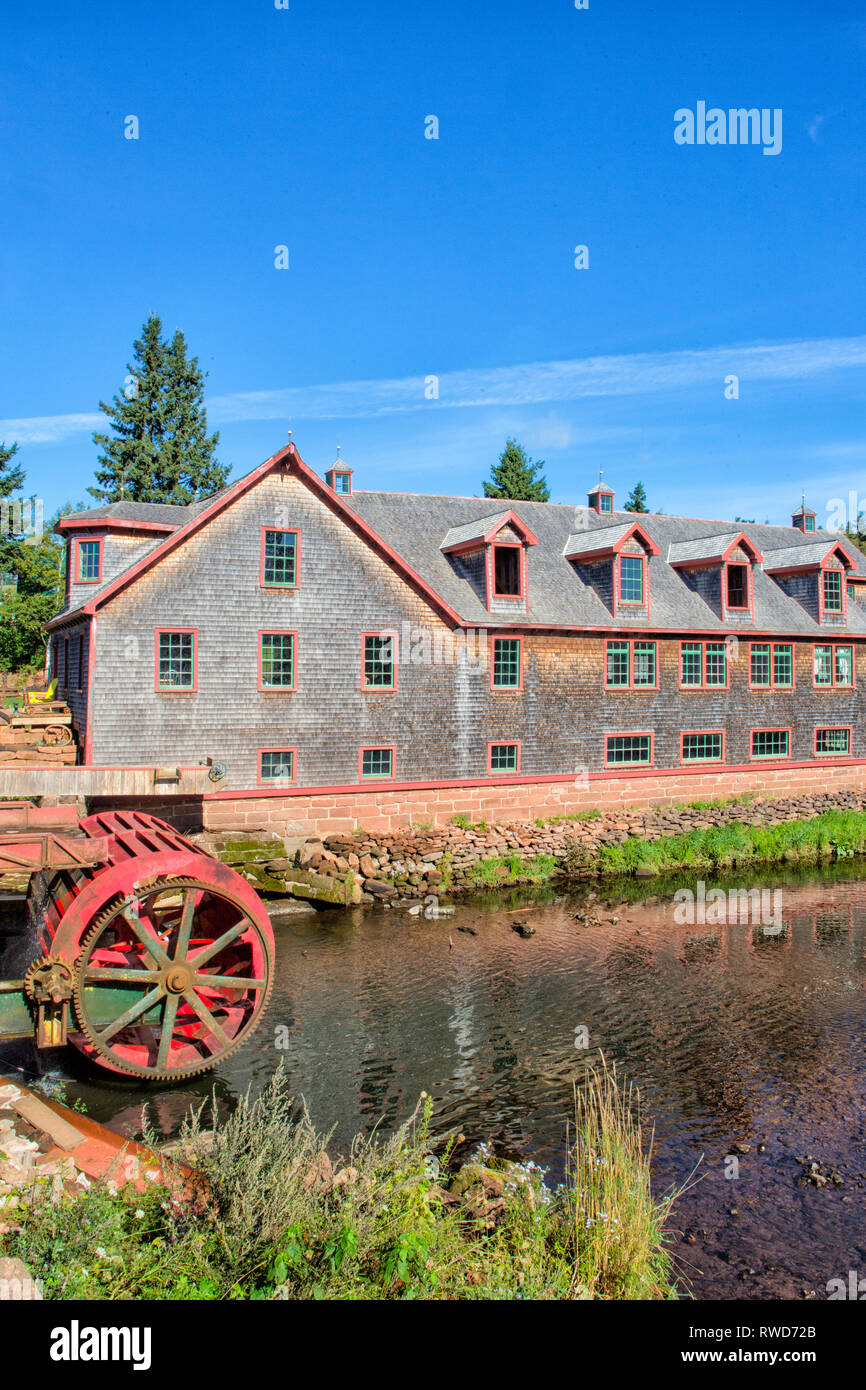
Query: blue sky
[[454, 257]]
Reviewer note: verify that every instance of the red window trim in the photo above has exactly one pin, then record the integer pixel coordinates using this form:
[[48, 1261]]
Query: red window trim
[[380, 689], [176, 689], [376, 748], [503, 743], [507, 637], [833, 683], [835, 613], [277, 689], [836, 728], [282, 530], [631, 733], [701, 762], [630, 641], [768, 689], [703, 688], [629, 604], [521, 569], [774, 757], [746, 608], [77, 544], [276, 781]]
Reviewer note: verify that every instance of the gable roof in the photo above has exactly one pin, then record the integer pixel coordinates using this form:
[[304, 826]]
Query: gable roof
[[484, 529], [406, 530], [809, 556], [709, 549], [606, 540]]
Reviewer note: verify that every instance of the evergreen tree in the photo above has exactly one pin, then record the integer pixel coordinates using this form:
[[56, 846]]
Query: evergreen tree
[[11, 474], [160, 450], [514, 476], [636, 499]]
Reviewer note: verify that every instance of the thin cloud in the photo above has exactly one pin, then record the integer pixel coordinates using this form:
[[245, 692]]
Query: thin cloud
[[526, 384]]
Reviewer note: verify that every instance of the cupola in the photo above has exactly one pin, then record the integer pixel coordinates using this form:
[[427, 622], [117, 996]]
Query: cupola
[[339, 476], [804, 518], [600, 498]]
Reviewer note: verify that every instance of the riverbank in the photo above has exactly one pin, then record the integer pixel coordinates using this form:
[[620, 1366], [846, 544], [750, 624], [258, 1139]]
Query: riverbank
[[408, 867], [277, 1218]]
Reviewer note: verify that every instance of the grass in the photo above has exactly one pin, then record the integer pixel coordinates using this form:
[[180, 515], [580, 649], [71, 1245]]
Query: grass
[[276, 1226], [832, 835], [511, 868]]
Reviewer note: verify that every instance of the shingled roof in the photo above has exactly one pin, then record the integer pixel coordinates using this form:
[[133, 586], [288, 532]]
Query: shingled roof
[[415, 527]]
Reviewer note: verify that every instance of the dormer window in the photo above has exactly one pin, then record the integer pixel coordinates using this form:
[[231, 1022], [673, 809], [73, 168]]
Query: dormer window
[[803, 519], [631, 585], [339, 476], [605, 503], [808, 522], [88, 561], [738, 586], [833, 601], [600, 499], [507, 571]]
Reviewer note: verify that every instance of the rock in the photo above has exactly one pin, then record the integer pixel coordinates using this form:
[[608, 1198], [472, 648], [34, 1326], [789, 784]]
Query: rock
[[523, 929], [308, 852], [470, 931], [366, 867], [379, 889]]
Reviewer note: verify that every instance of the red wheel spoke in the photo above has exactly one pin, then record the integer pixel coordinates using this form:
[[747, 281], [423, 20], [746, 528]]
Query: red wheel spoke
[[206, 1017], [132, 1013], [220, 944], [169, 1014], [233, 981]]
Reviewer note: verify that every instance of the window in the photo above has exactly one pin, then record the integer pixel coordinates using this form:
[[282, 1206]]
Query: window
[[279, 559], [703, 664], [504, 757], [771, 664], [770, 743], [832, 580], [738, 586], [852, 593], [175, 660], [703, 748], [628, 750], [605, 502], [631, 664], [276, 661], [342, 483], [377, 762], [809, 523], [89, 566], [277, 765], [832, 743], [630, 579], [506, 571], [379, 666], [833, 666], [506, 663]]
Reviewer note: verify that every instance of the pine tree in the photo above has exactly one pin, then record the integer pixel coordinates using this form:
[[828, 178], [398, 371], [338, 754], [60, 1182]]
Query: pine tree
[[160, 451], [514, 476], [637, 499], [11, 474]]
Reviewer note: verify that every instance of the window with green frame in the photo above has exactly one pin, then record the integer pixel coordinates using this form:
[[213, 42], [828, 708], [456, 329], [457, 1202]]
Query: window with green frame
[[833, 591], [506, 663], [503, 757], [617, 664], [377, 762], [703, 664], [280, 559], [772, 664], [630, 579], [278, 660], [702, 748], [379, 661], [88, 561], [627, 749], [277, 765], [176, 661], [630, 664], [770, 743], [833, 665], [832, 743]]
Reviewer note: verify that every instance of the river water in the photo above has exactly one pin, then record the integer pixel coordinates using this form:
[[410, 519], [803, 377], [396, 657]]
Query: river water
[[736, 1033]]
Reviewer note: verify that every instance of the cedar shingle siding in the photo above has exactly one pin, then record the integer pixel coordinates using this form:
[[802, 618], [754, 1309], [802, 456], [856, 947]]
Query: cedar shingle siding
[[443, 715]]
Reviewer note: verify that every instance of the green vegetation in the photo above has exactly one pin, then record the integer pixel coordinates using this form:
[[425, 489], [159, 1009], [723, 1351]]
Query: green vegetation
[[833, 835], [512, 868], [514, 476], [275, 1220]]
